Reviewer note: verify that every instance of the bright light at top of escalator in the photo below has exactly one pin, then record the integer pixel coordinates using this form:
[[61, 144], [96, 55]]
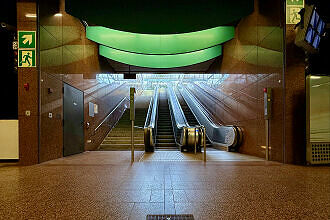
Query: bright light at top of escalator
[[145, 79]]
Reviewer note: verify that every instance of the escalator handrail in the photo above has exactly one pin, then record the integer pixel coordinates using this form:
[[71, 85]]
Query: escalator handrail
[[200, 106], [179, 117], [152, 110], [214, 132], [153, 118], [210, 97], [147, 122], [150, 126]]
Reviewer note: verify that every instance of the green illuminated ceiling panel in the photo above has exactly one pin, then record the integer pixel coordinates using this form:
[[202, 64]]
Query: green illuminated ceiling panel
[[160, 61], [160, 44]]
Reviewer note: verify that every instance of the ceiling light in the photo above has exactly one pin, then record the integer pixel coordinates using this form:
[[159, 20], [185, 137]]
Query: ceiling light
[[160, 44], [315, 77], [58, 15], [160, 61], [31, 15]]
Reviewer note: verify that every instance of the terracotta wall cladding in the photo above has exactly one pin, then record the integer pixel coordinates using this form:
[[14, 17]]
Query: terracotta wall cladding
[[27, 99], [66, 56], [254, 60], [295, 102]]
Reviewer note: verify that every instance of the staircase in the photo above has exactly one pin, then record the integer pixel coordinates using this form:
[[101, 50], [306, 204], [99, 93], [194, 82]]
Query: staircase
[[165, 137], [119, 137], [192, 121]]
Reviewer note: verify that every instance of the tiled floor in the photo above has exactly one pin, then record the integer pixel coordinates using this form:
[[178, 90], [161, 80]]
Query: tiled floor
[[104, 185], [214, 155]]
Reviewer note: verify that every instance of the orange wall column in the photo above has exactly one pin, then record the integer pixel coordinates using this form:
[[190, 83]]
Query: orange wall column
[[28, 99]]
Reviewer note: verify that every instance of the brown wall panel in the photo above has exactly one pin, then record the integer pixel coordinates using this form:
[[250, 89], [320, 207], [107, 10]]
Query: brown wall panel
[[295, 102], [254, 60], [67, 56], [28, 100]]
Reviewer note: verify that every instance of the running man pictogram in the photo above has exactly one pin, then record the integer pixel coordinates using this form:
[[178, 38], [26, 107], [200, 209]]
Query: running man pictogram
[[26, 58]]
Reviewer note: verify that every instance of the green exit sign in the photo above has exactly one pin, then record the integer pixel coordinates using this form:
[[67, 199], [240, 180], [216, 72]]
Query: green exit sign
[[295, 2], [293, 8], [26, 39]]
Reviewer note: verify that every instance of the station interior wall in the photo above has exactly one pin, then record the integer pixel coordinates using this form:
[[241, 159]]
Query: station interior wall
[[253, 60]]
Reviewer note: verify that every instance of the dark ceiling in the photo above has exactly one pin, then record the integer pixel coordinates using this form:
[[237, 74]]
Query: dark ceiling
[[161, 16]]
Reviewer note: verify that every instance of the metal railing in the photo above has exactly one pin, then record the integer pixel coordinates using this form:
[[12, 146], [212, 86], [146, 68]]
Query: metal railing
[[150, 125], [227, 136], [113, 111]]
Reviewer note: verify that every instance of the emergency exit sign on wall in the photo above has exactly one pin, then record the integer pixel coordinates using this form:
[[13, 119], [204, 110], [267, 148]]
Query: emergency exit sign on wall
[[27, 39], [26, 49], [292, 9]]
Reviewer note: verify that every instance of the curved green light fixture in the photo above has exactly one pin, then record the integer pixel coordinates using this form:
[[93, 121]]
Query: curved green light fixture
[[161, 61], [160, 44]]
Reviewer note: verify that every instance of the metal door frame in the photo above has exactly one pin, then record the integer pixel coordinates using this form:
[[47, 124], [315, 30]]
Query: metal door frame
[[83, 113]]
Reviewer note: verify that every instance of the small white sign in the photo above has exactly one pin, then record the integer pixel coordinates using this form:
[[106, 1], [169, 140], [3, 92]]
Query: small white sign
[[96, 109], [91, 109]]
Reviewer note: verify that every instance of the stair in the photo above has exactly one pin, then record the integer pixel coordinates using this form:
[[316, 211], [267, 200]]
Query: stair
[[165, 137], [119, 137]]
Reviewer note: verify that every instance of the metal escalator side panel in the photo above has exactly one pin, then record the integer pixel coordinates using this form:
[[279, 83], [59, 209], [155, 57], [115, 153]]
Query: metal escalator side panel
[[150, 125], [179, 116], [180, 124], [222, 135]]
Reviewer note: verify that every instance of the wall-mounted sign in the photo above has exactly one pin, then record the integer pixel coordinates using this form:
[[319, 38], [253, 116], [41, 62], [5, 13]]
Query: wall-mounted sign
[[27, 39], [26, 58], [96, 109], [91, 109], [292, 9], [26, 49]]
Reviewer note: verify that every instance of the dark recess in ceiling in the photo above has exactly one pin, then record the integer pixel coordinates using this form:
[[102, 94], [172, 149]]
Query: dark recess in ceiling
[[161, 16]]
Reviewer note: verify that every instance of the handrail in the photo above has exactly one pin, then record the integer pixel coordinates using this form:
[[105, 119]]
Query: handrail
[[154, 112], [222, 135], [146, 123], [209, 96], [205, 89], [150, 125], [179, 121], [187, 137], [179, 116], [108, 115], [215, 99], [204, 110]]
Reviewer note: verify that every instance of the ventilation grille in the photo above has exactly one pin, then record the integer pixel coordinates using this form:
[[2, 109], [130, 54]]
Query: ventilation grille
[[170, 217], [320, 153]]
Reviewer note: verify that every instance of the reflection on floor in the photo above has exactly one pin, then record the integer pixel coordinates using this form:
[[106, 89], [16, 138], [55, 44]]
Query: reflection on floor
[[104, 185], [210, 156]]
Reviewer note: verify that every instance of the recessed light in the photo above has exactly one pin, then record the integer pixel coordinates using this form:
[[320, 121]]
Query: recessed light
[[31, 15]]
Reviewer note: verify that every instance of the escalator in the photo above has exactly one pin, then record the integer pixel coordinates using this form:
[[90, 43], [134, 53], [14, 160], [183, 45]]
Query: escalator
[[190, 116], [223, 136], [166, 127], [165, 137]]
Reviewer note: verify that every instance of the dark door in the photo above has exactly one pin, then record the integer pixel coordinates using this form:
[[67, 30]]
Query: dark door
[[73, 123]]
